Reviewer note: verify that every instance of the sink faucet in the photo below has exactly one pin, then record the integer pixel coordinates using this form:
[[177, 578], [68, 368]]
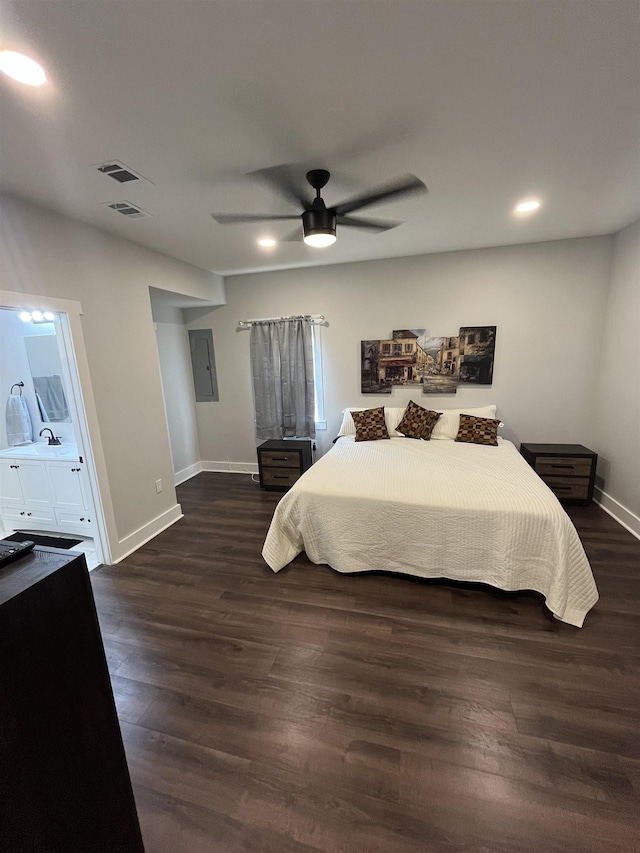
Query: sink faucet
[[52, 438]]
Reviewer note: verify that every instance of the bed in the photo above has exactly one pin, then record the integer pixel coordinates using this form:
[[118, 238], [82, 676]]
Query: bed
[[435, 509]]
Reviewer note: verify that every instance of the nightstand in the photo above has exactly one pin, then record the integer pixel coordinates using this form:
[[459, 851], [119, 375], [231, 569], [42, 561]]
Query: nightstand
[[568, 469], [281, 462]]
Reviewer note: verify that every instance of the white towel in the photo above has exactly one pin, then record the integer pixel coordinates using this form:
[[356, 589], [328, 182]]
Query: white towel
[[44, 417], [19, 429]]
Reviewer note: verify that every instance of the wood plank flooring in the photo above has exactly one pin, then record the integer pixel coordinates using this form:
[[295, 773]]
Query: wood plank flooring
[[313, 711]]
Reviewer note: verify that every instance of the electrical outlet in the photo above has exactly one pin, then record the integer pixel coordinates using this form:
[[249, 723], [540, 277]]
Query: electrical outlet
[[158, 486]]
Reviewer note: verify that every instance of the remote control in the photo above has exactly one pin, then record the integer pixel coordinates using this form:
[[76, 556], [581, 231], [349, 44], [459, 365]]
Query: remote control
[[10, 551]]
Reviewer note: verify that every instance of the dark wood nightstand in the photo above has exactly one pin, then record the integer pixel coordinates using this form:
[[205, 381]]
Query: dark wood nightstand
[[281, 462], [568, 469]]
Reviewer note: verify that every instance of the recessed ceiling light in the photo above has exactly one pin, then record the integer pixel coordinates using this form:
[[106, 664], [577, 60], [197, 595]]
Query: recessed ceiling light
[[527, 206], [267, 242], [22, 68]]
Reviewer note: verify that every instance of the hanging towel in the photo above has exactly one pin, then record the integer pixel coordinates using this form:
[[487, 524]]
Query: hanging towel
[[51, 393], [19, 429], [44, 417]]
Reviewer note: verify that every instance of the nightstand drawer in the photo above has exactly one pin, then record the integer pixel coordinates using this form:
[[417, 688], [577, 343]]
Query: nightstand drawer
[[568, 469], [563, 466], [280, 477], [576, 488], [280, 459]]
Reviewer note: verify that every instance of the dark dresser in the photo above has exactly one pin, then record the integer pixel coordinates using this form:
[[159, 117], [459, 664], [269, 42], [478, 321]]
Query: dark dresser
[[64, 780], [568, 469], [281, 462]]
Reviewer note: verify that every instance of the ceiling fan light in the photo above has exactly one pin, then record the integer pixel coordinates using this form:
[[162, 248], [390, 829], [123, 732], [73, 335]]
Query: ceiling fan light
[[320, 239], [319, 227]]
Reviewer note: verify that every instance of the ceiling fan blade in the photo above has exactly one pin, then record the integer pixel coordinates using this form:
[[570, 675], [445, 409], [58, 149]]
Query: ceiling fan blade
[[403, 186], [288, 181], [366, 224], [296, 236], [229, 218]]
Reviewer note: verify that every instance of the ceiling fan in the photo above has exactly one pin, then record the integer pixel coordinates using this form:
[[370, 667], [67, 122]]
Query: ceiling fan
[[319, 222]]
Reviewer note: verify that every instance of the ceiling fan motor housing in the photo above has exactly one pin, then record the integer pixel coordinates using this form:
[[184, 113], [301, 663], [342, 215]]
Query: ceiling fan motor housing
[[319, 221]]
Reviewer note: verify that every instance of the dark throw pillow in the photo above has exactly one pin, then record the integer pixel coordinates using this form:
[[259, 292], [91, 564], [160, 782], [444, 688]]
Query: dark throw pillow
[[417, 422], [370, 425], [475, 430]]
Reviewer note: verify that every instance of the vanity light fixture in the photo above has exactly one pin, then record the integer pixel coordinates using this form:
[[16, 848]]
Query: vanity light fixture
[[22, 68], [37, 316]]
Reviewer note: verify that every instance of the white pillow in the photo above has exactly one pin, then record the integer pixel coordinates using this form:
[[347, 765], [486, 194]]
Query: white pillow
[[448, 423], [392, 417]]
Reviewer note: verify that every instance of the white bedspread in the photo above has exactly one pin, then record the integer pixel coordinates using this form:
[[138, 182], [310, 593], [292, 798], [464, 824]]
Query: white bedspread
[[435, 509]]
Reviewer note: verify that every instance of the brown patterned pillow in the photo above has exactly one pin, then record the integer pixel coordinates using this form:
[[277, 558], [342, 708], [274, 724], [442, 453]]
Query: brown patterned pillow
[[417, 422], [478, 430], [370, 425]]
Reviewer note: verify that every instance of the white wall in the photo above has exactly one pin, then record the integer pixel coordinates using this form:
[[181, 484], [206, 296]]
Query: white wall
[[44, 253], [547, 301], [617, 409], [177, 384]]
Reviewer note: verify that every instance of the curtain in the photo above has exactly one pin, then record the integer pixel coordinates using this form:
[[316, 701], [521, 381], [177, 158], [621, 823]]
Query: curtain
[[283, 380]]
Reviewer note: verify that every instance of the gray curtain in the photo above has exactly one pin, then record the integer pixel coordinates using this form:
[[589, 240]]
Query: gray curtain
[[283, 381]]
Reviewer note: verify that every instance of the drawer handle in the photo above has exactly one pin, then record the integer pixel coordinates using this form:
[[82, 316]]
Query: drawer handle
[[561, 488], [280, 476], [558, 465], [281, 458]]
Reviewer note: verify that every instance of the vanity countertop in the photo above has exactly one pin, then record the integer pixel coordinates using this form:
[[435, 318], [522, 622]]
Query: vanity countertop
[[41, 450]]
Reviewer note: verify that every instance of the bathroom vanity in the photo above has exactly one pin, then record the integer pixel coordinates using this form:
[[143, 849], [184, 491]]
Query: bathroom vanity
[[44, 487]]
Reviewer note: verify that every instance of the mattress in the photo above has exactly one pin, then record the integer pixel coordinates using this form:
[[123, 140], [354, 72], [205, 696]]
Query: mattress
[[435, 509]]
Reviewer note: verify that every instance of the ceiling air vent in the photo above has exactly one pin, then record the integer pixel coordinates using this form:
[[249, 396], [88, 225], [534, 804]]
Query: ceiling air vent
[[127, 209], [119, 172]]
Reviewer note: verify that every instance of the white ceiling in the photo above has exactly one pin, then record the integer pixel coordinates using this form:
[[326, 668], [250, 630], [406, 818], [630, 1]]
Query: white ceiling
[[486, 101]]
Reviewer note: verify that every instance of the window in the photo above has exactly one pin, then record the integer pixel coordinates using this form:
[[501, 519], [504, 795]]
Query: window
[[317, 375], [386, 348]]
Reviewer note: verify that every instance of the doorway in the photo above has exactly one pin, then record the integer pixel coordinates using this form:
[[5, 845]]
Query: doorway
[[38, 362]]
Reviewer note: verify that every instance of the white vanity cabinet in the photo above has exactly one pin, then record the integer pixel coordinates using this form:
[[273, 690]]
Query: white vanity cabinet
[[44, 494], [10, 487]]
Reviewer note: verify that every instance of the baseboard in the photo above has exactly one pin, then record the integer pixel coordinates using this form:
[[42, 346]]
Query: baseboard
[[218, 467], [187, 473], [622, 515], [147, 532], [231, 467]]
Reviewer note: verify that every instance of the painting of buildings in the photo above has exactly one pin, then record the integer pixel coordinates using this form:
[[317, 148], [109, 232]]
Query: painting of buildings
[[438, 364], [443, 368], [477, 346], [370, 382]]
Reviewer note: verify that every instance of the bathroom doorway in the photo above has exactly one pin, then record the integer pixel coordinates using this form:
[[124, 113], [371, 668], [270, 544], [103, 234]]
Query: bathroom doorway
[[60, 494]]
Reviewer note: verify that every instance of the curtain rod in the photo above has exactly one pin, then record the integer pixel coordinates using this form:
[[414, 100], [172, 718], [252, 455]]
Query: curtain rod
[[316, 318]]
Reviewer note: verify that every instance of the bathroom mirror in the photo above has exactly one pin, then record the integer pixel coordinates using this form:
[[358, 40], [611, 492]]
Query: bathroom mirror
[[46, 373]]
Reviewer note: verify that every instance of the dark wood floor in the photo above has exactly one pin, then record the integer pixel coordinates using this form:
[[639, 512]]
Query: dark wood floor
[[312, 711]]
